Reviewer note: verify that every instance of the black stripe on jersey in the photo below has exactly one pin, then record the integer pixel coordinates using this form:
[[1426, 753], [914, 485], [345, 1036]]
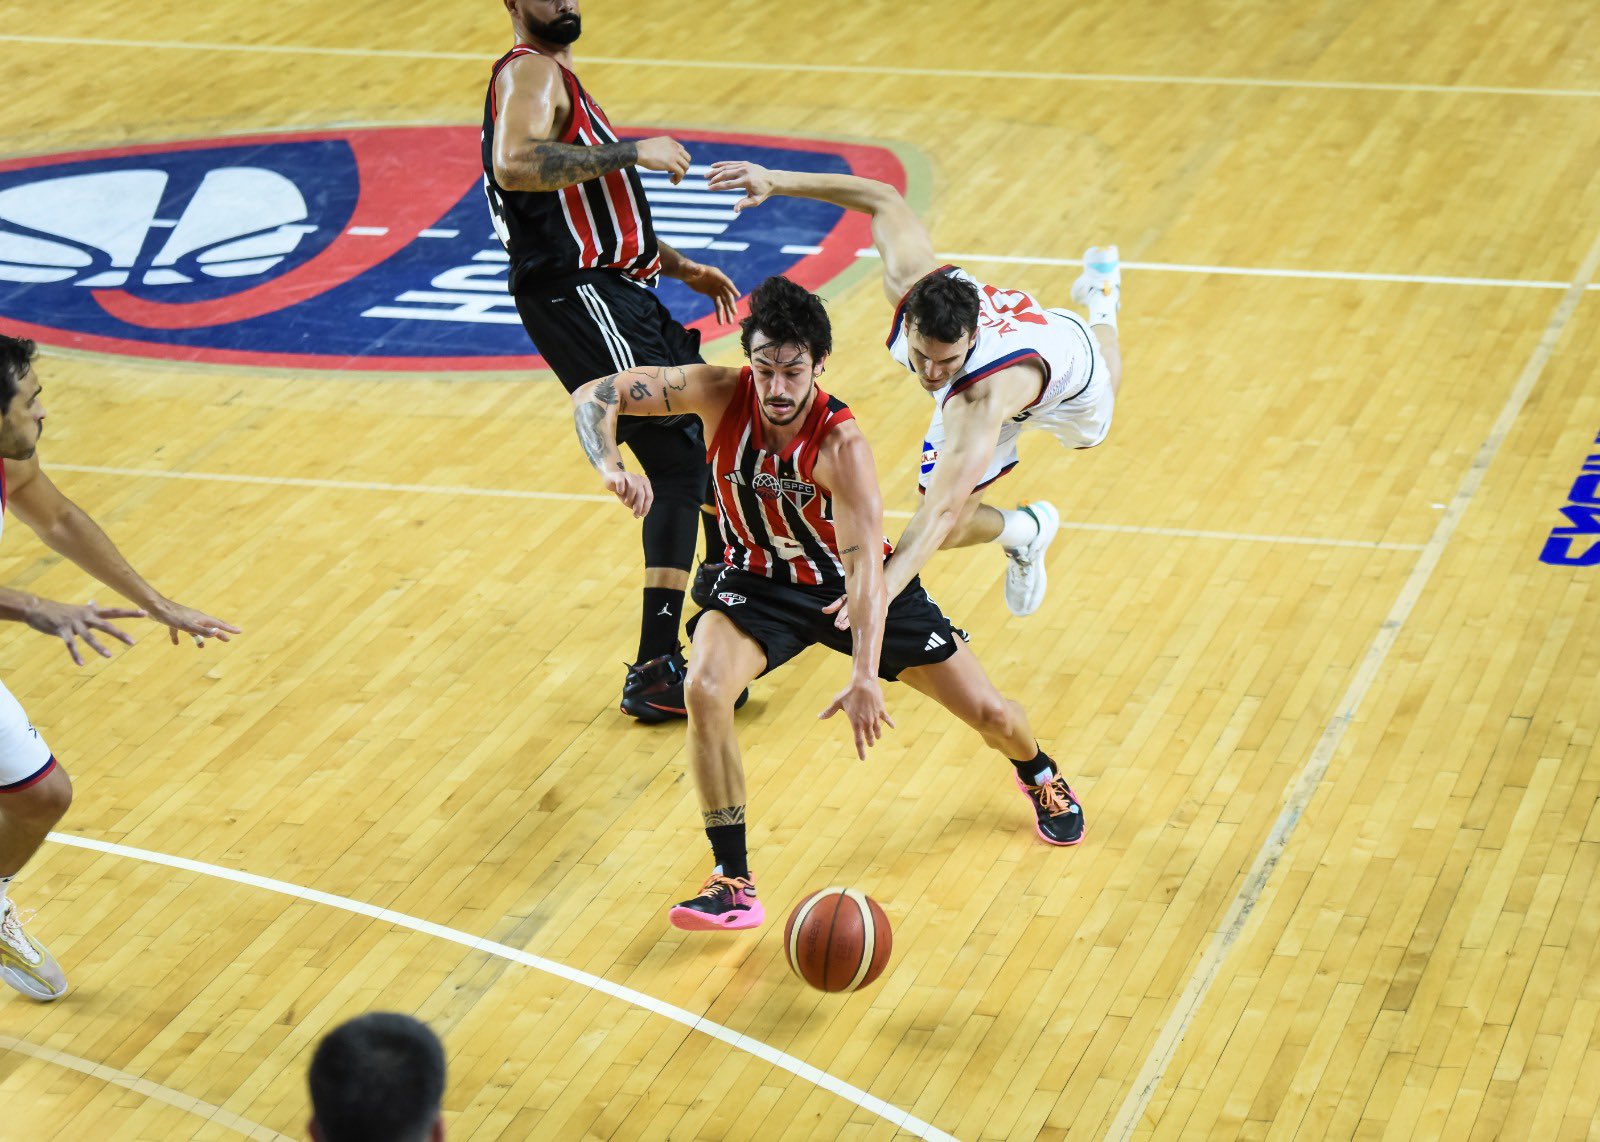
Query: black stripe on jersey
[[821, 558], [755, 522]]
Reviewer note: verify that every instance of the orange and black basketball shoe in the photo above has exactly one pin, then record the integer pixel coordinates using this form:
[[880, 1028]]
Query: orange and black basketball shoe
[[1059, 815]]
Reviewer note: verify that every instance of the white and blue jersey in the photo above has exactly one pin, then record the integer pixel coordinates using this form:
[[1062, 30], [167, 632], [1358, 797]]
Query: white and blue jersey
[[1075, 398]]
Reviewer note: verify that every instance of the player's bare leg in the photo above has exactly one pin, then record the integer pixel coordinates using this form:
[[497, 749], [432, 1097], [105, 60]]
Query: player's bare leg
[[725, 660], [960, 685], [26, 817], [977, 523]]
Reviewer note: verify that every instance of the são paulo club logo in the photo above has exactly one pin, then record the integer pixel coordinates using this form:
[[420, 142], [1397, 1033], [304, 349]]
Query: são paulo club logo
[[367, 248]]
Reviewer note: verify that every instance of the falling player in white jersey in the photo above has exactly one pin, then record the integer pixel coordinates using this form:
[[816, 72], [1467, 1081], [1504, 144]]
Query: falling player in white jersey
[[34, 790], [997, 362]]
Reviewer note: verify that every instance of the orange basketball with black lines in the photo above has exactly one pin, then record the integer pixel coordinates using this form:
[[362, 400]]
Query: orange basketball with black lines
[[838, 940]]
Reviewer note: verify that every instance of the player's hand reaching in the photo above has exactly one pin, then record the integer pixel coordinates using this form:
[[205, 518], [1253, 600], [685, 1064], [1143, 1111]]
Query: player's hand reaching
[[632, 488], [663, 153], [755, 180], [179, 619], [840, 609], [70, 622], [714, 284], [862, 703]]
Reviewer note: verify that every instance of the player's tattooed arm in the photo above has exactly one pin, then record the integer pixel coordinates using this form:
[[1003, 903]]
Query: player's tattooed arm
[[596, 421], [551, 166], [731, 815]]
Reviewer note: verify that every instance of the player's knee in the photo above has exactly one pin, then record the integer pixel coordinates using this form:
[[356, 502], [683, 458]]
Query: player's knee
[[40, 806], [995, 716], [708, 692]]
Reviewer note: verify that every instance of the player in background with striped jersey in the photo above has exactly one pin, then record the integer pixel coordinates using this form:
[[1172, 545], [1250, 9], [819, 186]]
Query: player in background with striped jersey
[[997, 362], [34, 789], [571, 211], [798, 497]]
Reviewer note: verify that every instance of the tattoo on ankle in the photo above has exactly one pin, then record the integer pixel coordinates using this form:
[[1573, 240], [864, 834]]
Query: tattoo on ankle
[[732, 815]]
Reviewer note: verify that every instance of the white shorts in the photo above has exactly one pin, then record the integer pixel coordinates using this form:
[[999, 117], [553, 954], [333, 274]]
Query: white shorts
[[1082, 421], [24, 758]]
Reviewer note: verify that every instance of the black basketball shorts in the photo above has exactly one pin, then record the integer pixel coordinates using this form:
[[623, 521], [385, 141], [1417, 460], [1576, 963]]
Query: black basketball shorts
[[785, 619]]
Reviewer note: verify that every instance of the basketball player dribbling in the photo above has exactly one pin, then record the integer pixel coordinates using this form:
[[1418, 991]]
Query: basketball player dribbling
[[34, 789], [571, 211], [997, 362], [802, 515]]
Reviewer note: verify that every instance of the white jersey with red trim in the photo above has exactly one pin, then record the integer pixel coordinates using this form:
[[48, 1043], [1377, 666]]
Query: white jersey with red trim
[[777, 518], [1075, 397], [1014, 327]]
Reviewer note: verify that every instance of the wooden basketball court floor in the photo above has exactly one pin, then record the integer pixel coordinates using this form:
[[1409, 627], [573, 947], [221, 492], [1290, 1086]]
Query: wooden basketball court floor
[[1332, 718]]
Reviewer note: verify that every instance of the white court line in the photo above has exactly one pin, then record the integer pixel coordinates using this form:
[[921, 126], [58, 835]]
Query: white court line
[[581, 497], [195, 1106], [1305, 784], [818, 1078], [485, 57]]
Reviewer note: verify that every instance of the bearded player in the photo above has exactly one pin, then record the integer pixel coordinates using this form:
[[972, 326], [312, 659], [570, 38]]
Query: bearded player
[[797, 493], [997, 363]]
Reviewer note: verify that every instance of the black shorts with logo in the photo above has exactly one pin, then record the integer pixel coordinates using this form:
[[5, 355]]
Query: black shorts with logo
[[785, 619]]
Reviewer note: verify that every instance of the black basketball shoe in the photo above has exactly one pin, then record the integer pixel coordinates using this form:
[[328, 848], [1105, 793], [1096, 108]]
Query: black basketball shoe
[[1059, 816], [705, 582], [653, 690]]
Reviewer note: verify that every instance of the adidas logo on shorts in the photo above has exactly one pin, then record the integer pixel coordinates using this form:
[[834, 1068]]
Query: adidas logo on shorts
[[934, 642]]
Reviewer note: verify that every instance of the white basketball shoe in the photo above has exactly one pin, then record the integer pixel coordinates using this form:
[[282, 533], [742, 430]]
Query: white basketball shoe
[[1025, 577], [24, 963], [1099, 288]]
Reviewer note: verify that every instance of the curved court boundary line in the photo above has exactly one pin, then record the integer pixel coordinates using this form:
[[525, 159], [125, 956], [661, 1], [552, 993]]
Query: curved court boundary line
[[803, 1070], [195, 1106], [835, 68]]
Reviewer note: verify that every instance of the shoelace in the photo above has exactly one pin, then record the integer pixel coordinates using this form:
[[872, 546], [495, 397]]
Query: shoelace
[[717, 884], [11, 932], [1055, 796]]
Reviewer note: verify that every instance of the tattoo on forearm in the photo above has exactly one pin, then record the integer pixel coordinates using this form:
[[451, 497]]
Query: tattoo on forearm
[[732, 815], [590, 419], [639, 390], [556, 165], [851, 550], [677, 379]]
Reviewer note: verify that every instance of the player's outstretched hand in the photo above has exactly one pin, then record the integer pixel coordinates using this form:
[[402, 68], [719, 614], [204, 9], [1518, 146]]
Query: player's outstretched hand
[[633, 489], [840, 609], [755, 180], [663, 153], [179, 619], [862, 703], [70, 622], [717, 286]]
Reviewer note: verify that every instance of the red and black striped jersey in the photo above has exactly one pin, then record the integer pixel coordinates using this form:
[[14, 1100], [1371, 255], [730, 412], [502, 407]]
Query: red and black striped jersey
[[600, 224], [777, 520]]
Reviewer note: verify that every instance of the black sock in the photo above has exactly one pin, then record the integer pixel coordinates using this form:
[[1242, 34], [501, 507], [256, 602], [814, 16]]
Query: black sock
[[727, 846], [715, 548], [658, 632], [1029, 770]]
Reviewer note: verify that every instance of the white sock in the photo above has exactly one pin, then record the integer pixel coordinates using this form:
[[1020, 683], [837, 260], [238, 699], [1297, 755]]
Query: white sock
[[1103, 307], [1018, 529], [5, 883]]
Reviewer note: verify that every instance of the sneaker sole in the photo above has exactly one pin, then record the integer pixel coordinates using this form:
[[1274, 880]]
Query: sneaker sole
[[688, 920], [29, 986], [1048, 840], [651, 714]]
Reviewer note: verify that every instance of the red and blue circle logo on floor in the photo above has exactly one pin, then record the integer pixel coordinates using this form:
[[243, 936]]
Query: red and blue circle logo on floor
[[367, 248]]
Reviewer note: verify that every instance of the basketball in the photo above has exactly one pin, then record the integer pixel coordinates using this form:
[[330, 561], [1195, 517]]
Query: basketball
[[838, 939]]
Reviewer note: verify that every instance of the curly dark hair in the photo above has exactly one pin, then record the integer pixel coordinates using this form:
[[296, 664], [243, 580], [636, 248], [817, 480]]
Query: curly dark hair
[[381, 1075], [790, 315], [942, 307], [16, 355]]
